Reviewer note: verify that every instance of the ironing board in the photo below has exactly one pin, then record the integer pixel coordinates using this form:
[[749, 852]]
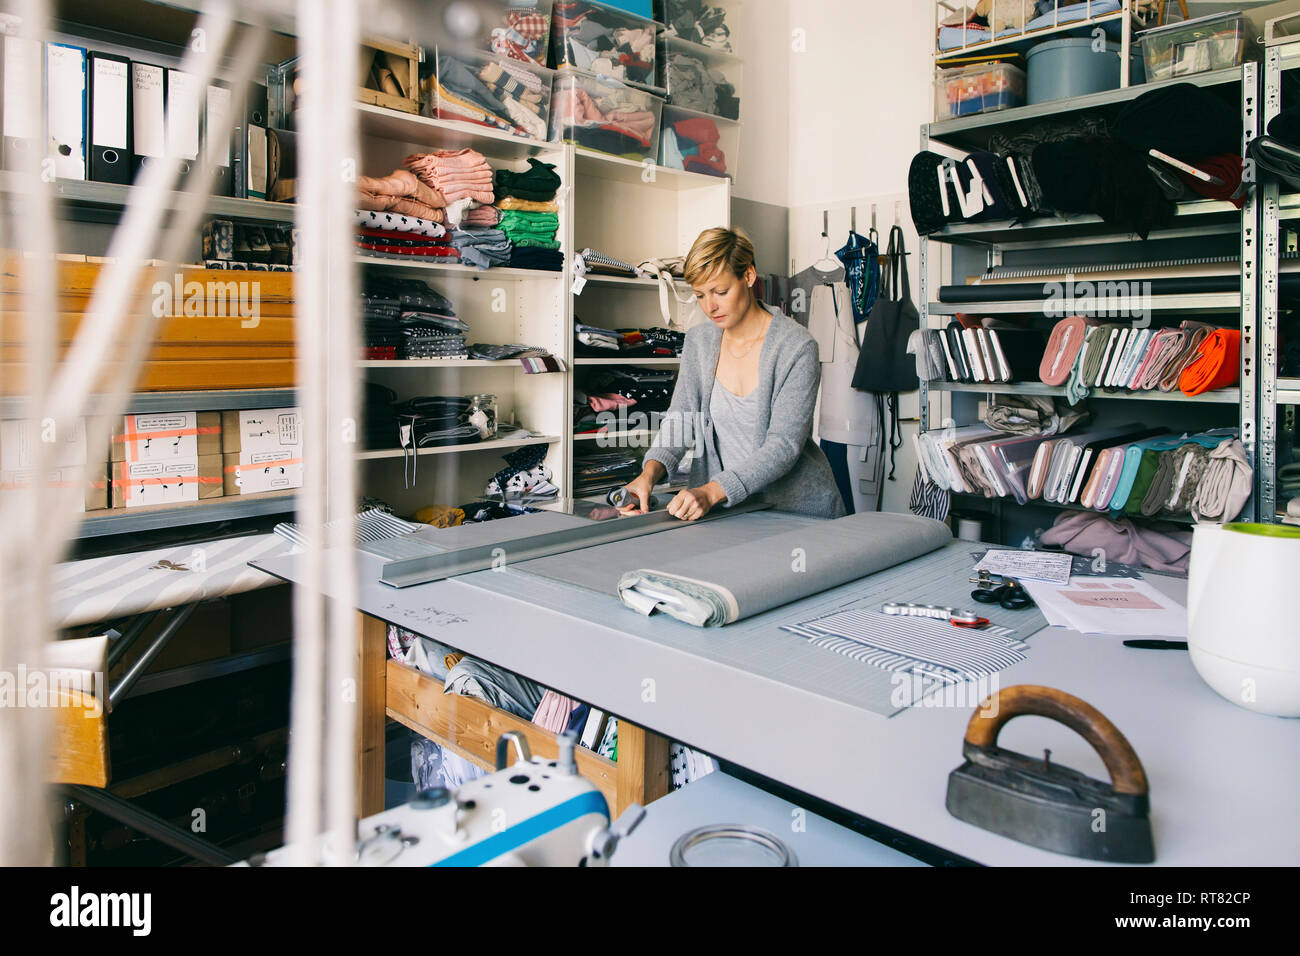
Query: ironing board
[[1202, 754]]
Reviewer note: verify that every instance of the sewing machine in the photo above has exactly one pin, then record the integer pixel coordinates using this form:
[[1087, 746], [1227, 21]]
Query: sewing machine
[[532, 813]]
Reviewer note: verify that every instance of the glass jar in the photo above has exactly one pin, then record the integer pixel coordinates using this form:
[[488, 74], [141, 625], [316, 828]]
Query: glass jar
[[483, 414]]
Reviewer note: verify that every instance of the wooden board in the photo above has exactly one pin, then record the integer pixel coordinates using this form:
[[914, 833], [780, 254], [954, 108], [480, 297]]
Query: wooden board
[[471, 728], [78, 740], [372, 649], [193, 375]]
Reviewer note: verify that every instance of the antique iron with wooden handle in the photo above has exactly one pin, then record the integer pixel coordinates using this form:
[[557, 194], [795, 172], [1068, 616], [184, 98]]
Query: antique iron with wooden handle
[[1039, 803]]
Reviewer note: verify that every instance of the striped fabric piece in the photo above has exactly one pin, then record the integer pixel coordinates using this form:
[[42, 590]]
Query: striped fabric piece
[[928, 499], [936, 648], [372, 525], [587, 257]]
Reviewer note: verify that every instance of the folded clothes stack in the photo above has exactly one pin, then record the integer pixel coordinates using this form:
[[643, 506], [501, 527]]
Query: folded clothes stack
[[461, 176], [499, 94], [401, 192], [523, 474], [693, 144], [418, 321], [604, 41], [587, 410], [482, 247], [597, 473], [436, 420], [697, 22], [693, 86], [594, 342], [536, 229], [529, 215], [650, 388], [428, 336], [481, 217], [381, 333], [395, 233]]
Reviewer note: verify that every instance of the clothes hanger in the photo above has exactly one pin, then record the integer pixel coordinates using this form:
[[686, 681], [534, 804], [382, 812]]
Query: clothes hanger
[[826, 258]]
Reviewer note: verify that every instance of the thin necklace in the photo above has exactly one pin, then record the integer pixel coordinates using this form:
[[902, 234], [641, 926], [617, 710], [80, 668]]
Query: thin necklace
[[750, 346]]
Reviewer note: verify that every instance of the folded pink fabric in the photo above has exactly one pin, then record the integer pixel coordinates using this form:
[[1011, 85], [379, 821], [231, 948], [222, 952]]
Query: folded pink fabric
[[456, 174], [1121, 541], [607, 403], [482, 216], [403, 183], [400, 205]]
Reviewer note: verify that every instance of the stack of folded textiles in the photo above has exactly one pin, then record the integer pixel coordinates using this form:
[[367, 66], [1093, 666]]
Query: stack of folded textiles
[[589, 260], [395, 234], [461, 176], [379, 423], [587, 410], [422, 320], [437, 420], [482, 247], [694, 144], [529, 215], [650, 388], [500, 94], [381, 335], [401, 192], [594, 342], [1195, 358], [618, 123], [593, 474]]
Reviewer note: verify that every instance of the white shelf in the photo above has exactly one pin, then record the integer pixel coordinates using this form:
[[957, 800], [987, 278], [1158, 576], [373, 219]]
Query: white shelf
[[438, 363], [88, 194], [589, 162], [627, 361], [628, 281], [457, 449], [1223, 396], [447, 134], [454, 270], [615, 436]]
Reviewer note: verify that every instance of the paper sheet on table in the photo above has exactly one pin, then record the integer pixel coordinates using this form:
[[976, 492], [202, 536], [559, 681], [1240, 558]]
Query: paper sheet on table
[[1121, 606], [1047, 566]]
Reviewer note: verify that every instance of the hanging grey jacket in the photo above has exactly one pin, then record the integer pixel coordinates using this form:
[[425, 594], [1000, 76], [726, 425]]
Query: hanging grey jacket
[[787, 467]]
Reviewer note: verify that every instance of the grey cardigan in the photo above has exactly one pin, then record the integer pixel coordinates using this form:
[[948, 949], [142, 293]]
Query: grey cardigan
[[787, 467]]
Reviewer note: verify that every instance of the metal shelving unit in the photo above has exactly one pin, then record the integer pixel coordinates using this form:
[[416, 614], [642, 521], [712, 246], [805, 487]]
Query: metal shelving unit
[[233, 508], [1194, 219]]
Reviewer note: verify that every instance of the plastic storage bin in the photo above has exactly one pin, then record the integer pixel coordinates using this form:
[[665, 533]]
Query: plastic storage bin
[[520, 29], [499, 92], [1195, 46], [603, 40], [698, 142], [1071, 67], [978, 89], [605, 115], [698, 78], [711, 23]]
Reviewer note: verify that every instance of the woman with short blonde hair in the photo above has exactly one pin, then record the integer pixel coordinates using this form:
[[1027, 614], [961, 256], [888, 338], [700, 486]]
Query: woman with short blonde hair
[[744, 398]]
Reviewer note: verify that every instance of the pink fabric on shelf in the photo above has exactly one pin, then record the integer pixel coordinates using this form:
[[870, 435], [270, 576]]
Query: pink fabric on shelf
[[553, 712], [607, 403], [456, 174], [401, 183], [1121, 541], [482, 216], [404, 207]]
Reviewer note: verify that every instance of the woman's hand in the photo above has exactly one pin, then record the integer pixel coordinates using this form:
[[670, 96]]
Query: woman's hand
[[640, 488], [691, 504]]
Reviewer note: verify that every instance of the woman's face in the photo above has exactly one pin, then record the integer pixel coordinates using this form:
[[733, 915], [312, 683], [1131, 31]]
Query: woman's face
[[726, 298]]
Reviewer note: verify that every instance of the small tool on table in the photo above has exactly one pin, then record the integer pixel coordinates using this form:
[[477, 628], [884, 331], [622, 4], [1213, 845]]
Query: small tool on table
[[1152, 645], [1007, 594], [952, 615]]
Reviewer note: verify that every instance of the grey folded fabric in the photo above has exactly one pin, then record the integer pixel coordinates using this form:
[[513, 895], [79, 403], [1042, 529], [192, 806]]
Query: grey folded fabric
[[1225, 488], [1161, 484], [725, 586], [1190, 462], [493, 685], [1194, 333], [1032, 415]]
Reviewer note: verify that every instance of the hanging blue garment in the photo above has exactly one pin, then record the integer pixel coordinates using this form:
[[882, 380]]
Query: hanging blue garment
[[860, 257]]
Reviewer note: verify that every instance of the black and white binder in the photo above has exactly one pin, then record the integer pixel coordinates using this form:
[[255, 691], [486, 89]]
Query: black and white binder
[[216, 137], [23, 62], [250, 146], [109, 99], [65, 109], [148, 113], [183, 118]]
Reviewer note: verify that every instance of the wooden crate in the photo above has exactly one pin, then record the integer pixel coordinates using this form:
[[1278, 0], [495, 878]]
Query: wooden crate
[[404, 61]]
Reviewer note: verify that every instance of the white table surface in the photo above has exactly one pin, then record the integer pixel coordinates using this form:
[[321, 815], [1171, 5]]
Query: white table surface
[[1224, 780]]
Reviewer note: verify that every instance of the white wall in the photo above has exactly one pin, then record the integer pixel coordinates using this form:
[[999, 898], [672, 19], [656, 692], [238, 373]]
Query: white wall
[[763, 34], [860, 88]]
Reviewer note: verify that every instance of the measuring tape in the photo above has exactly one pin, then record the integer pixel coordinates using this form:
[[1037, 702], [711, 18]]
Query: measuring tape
[[952, 615]]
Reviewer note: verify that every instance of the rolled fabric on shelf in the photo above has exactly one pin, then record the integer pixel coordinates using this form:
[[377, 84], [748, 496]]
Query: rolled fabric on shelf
[[1217, 364]]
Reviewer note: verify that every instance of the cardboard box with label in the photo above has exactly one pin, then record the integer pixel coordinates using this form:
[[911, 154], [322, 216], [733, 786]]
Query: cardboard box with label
[[21, 438], [262, 450], [143, 483], [92, 480], [168, 437]]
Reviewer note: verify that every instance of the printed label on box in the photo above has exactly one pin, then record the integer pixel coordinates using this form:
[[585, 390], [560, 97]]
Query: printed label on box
[[267, 471], [277, 430], [157, 483], [168, 437]]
